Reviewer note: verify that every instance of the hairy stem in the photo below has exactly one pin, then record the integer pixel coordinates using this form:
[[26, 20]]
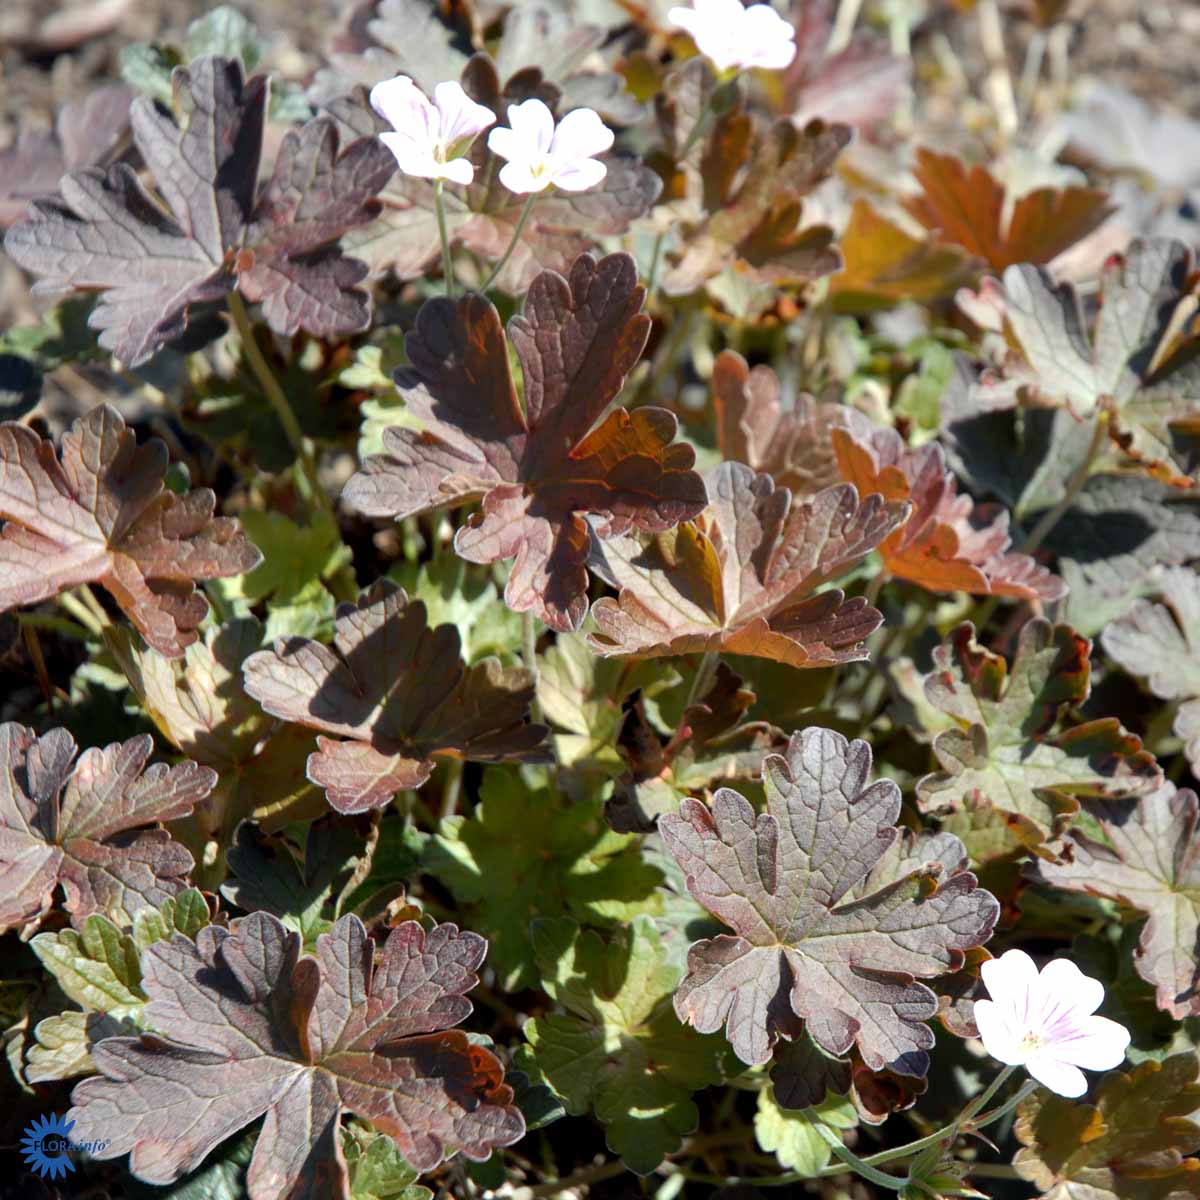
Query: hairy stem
[[81, 613], [858, 1165], [526, 209], [703, 677], [439, 204], [595, 1174]]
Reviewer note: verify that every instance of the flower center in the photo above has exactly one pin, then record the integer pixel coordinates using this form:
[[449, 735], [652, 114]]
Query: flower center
[[1032, 1041]]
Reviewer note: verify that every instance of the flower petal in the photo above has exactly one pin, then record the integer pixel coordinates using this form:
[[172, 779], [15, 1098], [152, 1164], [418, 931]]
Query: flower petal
[[580, 175], [533, 124], [767, 40], [581, 134], [999, 1038], [404, 106], [1059, 1077], [1095, 1043], [1009, 980], [458, 170], [1062, 978], [519, 178], [411, 158], [461, 117], [504, 142]]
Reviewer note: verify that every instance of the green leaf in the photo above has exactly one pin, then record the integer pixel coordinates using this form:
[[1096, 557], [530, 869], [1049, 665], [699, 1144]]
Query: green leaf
[[582, 694], [1130, 1144], [619, 1050], [294, 556], [524, 854], [791, 1135], [455, 594], [377, 1168], [1010, 749]]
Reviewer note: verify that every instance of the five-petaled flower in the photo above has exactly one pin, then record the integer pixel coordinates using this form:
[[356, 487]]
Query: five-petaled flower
[[541, 154], [1044, 1021], [734, 38], [430, 139]]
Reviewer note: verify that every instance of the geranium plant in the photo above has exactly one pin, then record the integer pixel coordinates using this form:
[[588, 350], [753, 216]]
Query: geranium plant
[[583, 613]]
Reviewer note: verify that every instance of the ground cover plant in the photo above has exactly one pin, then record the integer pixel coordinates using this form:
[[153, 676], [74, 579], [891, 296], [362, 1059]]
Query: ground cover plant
[[598, 599]]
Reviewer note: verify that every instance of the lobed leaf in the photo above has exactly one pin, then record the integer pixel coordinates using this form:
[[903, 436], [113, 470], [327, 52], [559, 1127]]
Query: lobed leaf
[[1129, 1145], [1161, 642], [971, 209], [617, 1049], [947, 544], [793, 444], [1010, 750], [1139, 365], [395, 694], [102, 515], [246, 1027], [834, 918], [84, 827], [744, 577], [211, 229], [1147, 862], [541, 469]]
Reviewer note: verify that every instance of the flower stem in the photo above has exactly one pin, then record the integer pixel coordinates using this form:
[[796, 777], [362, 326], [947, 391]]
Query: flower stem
[[857, 1165], [529, 655], [273, 390], [1082, 473], [439, 204], [516, 237]]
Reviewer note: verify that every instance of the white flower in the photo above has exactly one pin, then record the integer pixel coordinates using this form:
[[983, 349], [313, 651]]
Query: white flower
[[430, 139], [540, 153], [1044, 1022], [732, 37]]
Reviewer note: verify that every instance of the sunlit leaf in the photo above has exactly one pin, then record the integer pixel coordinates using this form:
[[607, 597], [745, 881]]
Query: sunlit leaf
[[395, 694], [1013, 749], [540, 468], [744, 577], [245, 1026], [834, 916], [84, 826], [102, 515]]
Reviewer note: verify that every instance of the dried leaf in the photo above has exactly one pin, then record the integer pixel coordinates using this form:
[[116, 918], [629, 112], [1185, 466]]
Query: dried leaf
[[399, 694], [791, 443], [1148, 862], [245, 1026], [541, 469], [947, 544], [1139, 365], [743, 191], [1161, 642], [884, 264], [1129, 1145], [213, 230], [833, 915], [102, 515], [970, 208], [1012, 749], [743, 577], [84, 828]]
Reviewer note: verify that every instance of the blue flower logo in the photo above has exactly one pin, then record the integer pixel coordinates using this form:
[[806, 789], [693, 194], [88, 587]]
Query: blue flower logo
[[45, 1146]]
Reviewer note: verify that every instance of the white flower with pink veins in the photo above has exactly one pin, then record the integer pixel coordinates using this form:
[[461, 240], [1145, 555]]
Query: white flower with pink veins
[[430, 139], [1044, 1021], [541, 154], [735, 38]]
